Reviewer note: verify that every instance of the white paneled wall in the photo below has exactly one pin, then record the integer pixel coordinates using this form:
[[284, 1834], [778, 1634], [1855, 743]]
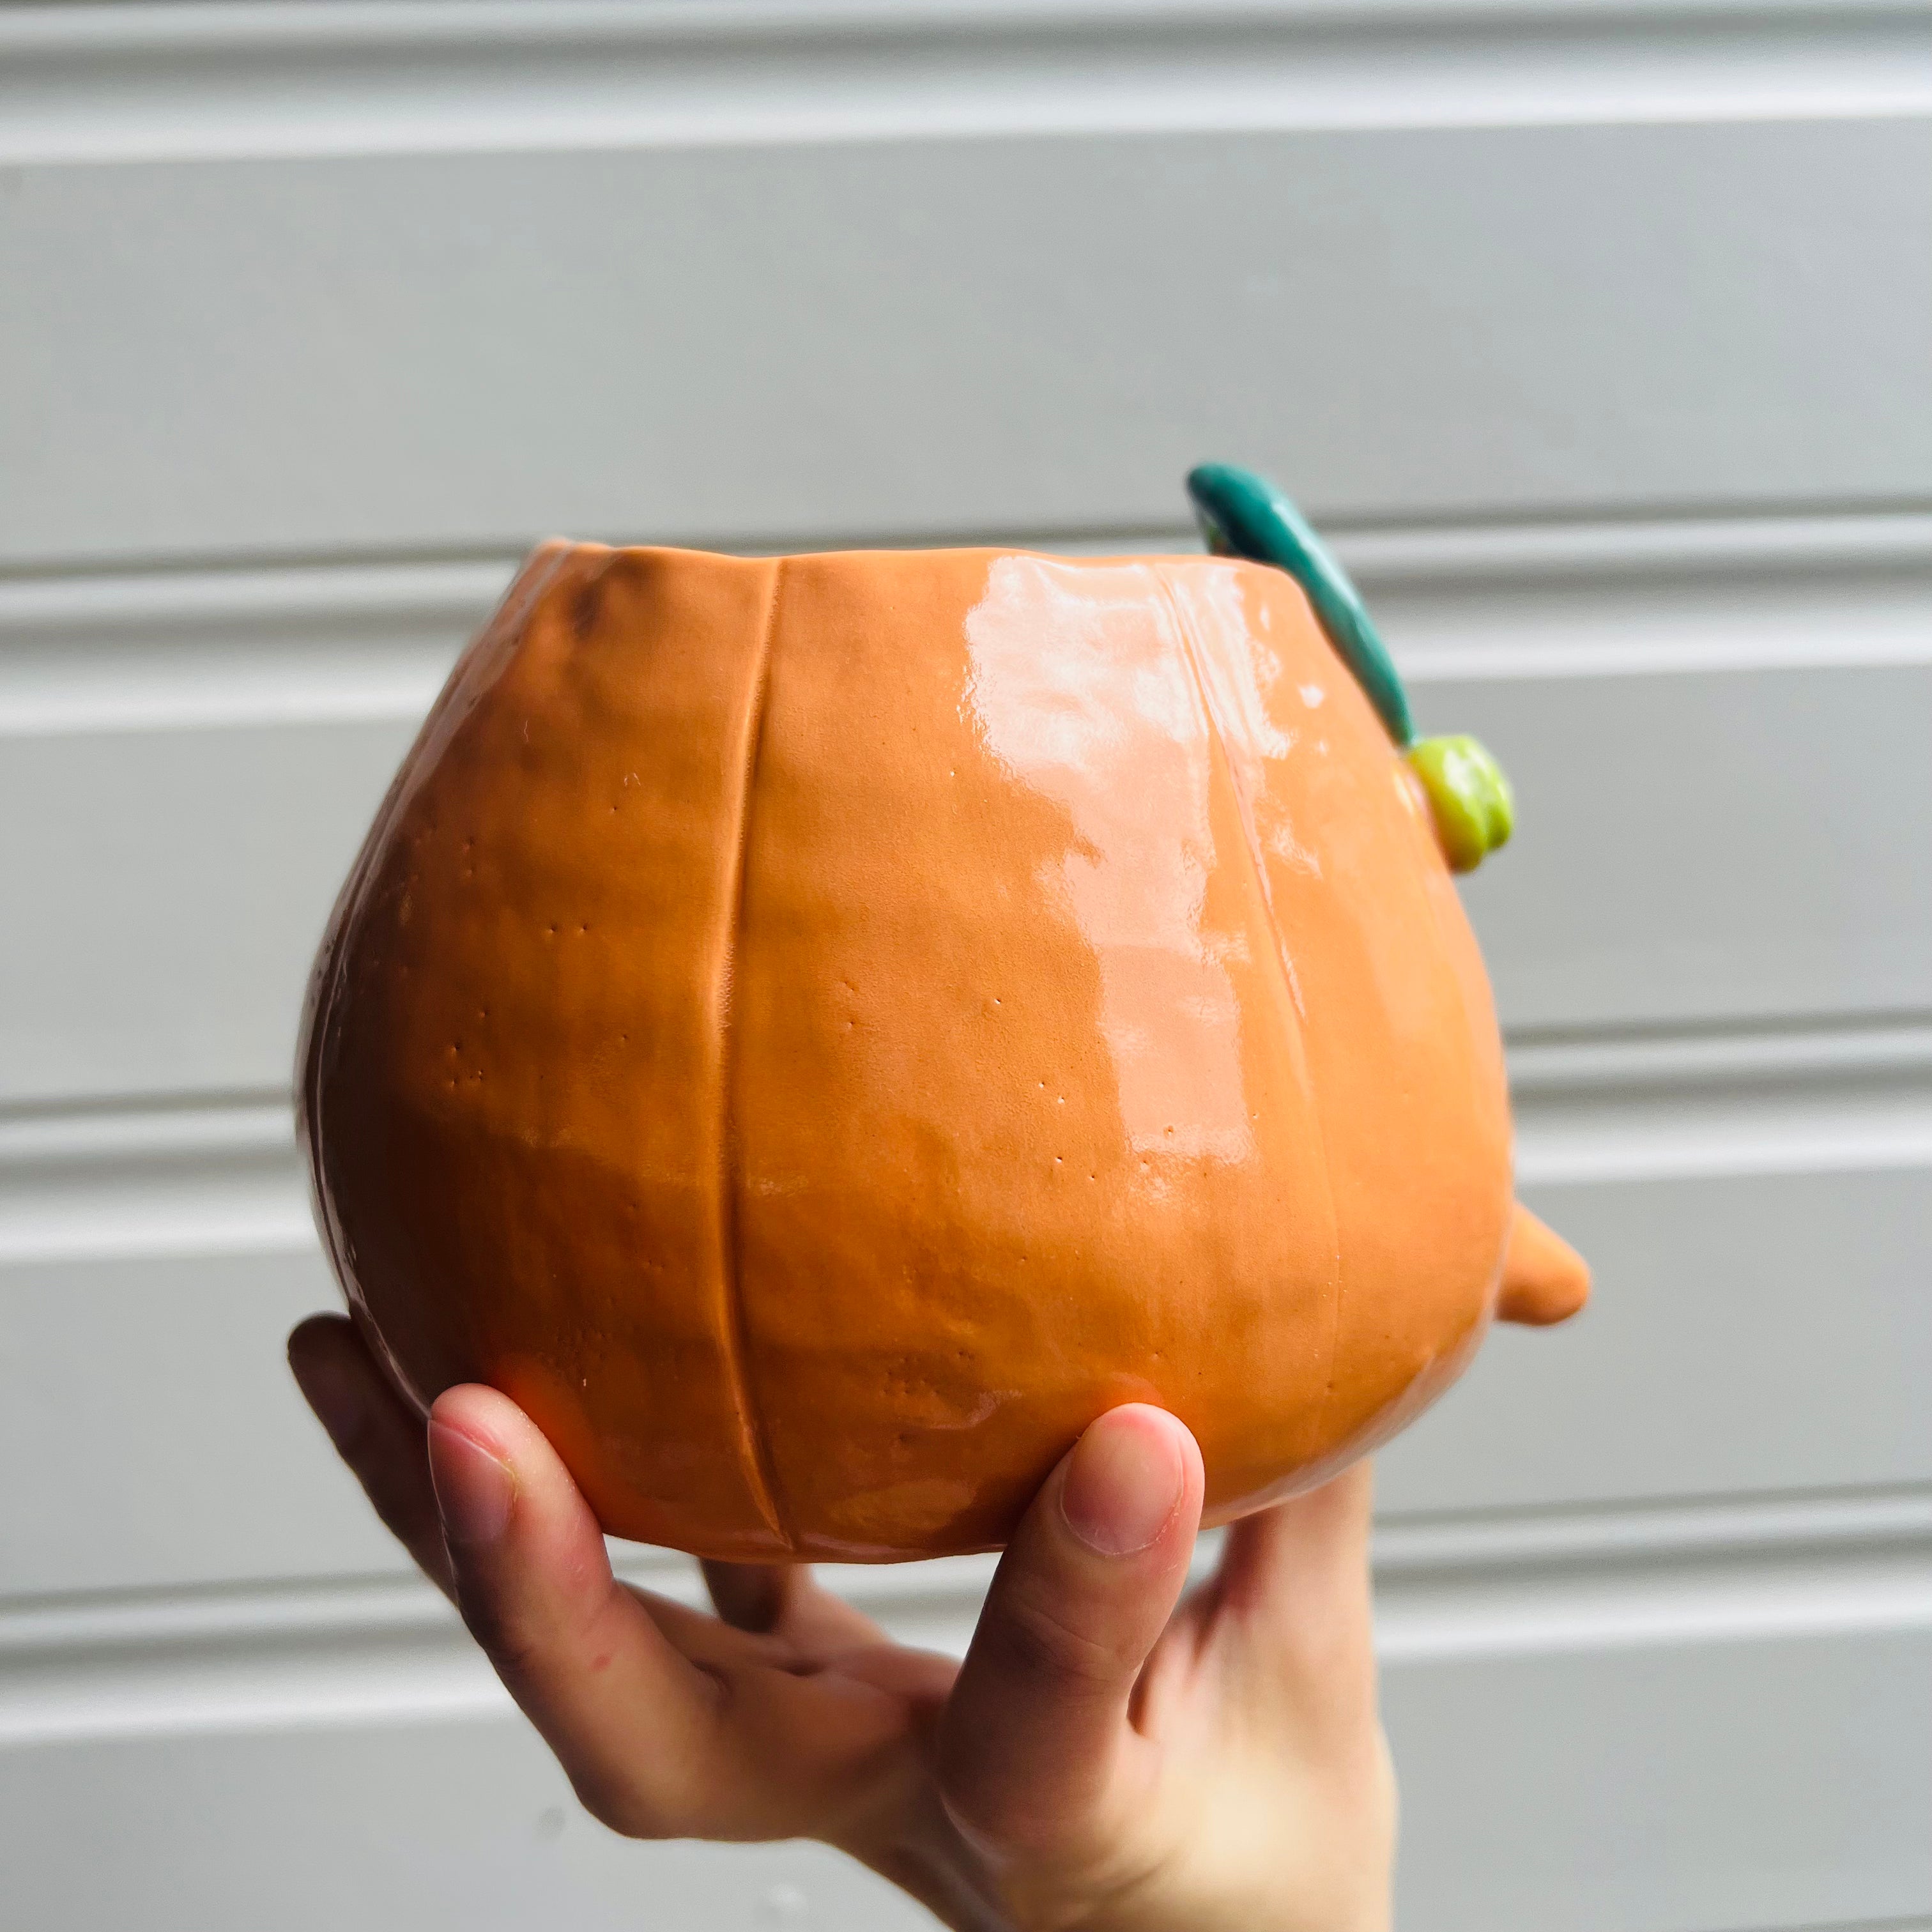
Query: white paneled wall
[[1600, 332]]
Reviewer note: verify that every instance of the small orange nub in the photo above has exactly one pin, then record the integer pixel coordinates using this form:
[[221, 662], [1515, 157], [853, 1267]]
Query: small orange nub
[[1545, 1280]]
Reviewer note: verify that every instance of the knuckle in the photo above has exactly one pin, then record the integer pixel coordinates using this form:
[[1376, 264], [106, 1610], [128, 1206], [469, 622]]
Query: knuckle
[[975, 1797], [1032, 1641], [517, 1653], [534, 1639], [1005, 1821], [618, 1806], [655, 1790]]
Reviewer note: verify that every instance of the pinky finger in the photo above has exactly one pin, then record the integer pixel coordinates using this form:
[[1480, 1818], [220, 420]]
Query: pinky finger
[[376, 1433]]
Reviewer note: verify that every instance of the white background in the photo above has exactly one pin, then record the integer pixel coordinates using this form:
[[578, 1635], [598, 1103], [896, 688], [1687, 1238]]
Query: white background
[[1599, 333]]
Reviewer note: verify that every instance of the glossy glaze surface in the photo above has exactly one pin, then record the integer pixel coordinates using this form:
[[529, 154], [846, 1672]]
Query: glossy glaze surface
[[818, 1031]]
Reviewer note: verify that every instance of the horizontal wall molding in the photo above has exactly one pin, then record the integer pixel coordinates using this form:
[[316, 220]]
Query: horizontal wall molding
[[1580, 317], [220, 1175], [1728, 1572], [212, 1177], [255, 1658], [316, 643], [1807, 1099], [1559, 547], [1546, 1066], [114, 83]]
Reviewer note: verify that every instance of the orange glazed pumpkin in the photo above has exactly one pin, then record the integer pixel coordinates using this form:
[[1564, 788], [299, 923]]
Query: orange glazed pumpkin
[[816, 1032]]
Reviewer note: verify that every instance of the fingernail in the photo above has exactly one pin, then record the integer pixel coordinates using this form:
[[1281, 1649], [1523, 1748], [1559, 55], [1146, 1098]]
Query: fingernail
[[474, 1490], [1122, 1484], [335, 1395]]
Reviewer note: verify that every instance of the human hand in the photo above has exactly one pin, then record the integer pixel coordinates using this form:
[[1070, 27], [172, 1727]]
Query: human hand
[[1100, 1761]]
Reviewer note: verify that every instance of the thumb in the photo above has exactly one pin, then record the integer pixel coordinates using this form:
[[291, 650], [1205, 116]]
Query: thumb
[[1036, 1726]]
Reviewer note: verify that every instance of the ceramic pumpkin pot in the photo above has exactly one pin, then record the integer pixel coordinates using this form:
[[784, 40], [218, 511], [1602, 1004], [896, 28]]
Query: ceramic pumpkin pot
[[816, 1032]]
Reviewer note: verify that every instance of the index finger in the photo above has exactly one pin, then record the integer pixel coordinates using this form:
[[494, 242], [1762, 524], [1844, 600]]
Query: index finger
[[635, 1723]]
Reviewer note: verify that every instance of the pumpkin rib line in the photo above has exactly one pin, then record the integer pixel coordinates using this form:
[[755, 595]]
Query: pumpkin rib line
[[1190, 656], [761, 1475]]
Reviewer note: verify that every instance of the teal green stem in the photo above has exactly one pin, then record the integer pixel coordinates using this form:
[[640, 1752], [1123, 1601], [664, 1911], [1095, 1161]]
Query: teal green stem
[[1242, 514]]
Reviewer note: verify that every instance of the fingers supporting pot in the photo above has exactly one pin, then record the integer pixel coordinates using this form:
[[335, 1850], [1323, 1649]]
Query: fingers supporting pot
[[1037, 1738], [581, 1655]]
